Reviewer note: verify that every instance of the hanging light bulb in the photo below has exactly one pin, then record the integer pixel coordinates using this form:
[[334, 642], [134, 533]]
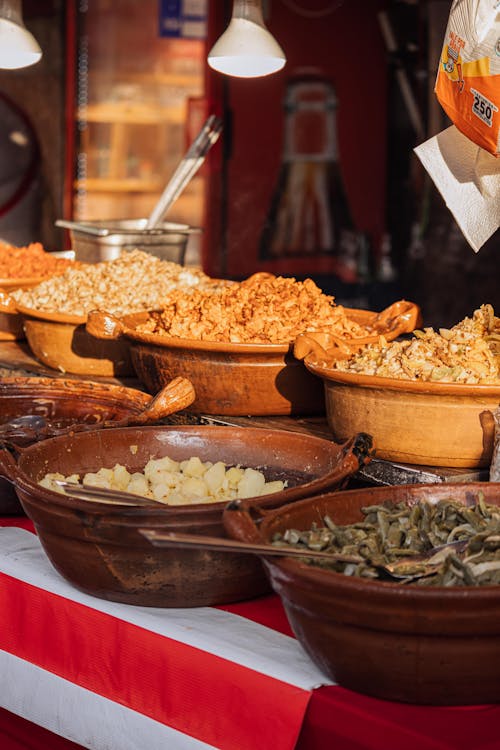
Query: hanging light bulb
[[18, 47], [246, 49]]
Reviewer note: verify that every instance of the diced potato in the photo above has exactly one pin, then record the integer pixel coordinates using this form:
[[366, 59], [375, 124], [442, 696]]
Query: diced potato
[[157, 466], [234, 475], [49, 481], [138, 485], [175, 498], [251, 484], [194, 467], [160, 491], [177, 483], [195, 488], [121, 477], [276, 486], [214, 476], [97, 479]]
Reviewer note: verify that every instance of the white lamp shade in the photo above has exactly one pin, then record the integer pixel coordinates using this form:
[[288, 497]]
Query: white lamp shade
[[246, 49], [18, 47]]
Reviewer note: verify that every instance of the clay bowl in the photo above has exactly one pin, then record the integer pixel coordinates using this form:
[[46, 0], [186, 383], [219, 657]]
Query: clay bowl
[[97, 547], [62, 343], [231, 378], [435, 424], [11, 321], [425, 645], [75, 405]]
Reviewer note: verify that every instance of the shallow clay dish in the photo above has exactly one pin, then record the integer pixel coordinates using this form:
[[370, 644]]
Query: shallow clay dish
[[62, 343], [426, 645], [97, 547], [236, 379], [435, 424], [74, 405]]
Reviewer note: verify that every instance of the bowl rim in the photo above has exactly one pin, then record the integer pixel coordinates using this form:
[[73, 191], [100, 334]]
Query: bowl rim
[[50, 317], [27, 484], [10, 284], [130, 322], [62, 386], [362, 380], [314, 576]]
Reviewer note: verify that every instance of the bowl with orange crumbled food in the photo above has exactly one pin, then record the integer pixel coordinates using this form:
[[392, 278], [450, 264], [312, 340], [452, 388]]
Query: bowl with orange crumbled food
[[236, 344], [22, 268], [428, 399]]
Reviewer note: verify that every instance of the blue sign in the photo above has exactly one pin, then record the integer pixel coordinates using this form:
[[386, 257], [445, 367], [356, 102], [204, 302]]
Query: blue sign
[[183, 19]]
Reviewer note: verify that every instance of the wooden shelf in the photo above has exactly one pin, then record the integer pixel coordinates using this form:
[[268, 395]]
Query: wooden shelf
[[131, 113], [126, 185]]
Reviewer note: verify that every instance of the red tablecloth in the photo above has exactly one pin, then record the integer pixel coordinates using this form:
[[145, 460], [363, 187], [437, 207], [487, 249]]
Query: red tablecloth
[[170, 688]]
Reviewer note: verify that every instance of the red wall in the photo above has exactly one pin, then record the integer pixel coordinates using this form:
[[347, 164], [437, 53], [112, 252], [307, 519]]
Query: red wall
[[347, 45]]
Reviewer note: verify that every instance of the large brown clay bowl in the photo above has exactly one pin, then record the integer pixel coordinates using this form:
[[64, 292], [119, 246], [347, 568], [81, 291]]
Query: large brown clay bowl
[[435, 424], [232, 378], [425, 645], [61, 342], [66, 405], [97, 547]]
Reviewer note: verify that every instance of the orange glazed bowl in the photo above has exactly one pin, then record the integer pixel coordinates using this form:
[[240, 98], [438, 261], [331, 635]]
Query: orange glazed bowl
[[416, 422], [238, 379]]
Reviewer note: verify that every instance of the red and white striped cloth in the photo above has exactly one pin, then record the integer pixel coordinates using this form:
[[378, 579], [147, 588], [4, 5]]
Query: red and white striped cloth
[[121, 677]]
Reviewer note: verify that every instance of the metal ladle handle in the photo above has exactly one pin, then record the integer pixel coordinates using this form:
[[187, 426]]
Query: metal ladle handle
[[189, 165]]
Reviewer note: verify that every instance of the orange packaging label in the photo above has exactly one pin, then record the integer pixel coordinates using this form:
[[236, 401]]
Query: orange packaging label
[[469, 92]]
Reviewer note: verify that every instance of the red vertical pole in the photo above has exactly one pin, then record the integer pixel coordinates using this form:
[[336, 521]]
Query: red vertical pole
[[69, 108]]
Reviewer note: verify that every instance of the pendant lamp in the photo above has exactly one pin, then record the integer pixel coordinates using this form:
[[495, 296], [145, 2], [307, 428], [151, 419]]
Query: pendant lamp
[[246, 49], [18, 47]]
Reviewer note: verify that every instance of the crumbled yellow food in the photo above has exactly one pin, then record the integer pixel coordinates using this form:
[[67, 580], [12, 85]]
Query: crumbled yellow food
[[467, 353]]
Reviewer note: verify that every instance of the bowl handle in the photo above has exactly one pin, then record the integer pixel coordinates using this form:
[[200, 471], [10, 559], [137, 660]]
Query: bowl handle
[[238, 522], [175, 396], [8, 465], [7, 303], [355, 453], [103, 325], [402, 316]]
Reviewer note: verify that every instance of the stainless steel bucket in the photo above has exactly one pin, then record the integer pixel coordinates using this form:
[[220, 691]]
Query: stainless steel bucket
[[94, 241]]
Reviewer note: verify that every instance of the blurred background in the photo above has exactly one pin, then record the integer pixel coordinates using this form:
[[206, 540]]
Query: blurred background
[[97, 127]]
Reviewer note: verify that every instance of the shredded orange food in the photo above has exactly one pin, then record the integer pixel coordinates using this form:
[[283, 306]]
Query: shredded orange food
[[271, 310], [29, 262]]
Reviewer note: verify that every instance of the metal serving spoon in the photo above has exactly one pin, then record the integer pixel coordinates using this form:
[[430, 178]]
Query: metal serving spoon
[[105, 495], [394, 570], [220, 544]]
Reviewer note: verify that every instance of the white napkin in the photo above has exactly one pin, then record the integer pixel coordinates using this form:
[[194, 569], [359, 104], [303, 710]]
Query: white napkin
[[468, 178]]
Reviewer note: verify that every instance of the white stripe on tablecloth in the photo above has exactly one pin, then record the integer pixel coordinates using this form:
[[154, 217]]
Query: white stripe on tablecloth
[[247, 643], [80, 715]]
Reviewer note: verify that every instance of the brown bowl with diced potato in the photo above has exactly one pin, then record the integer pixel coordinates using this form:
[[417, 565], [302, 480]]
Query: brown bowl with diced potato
[[97, 546]]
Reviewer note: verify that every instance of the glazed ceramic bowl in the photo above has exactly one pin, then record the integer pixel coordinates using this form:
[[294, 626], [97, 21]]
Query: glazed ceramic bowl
[[68, 404], [61, 342], [97, 547], [232, 378], [400, 642], [416, 422], [11, 321]]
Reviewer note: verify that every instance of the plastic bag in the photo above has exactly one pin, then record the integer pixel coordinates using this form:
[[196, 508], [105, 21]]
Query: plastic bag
[[468, 79]]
